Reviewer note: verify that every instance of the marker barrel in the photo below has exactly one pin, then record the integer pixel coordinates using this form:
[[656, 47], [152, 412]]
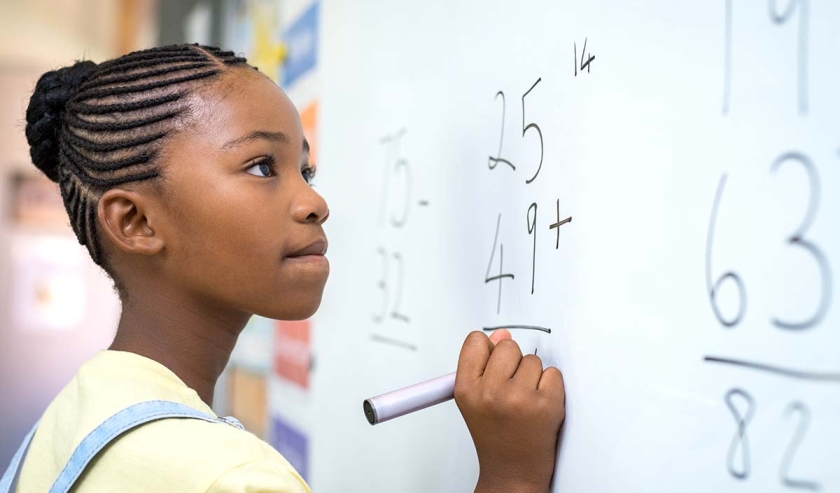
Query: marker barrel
[[409, 399]]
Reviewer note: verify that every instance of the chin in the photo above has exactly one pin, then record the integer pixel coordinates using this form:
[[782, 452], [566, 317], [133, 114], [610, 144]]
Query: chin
[[293, 308]]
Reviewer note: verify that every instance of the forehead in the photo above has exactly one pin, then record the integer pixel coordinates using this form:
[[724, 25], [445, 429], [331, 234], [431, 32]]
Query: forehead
[[242, 101]]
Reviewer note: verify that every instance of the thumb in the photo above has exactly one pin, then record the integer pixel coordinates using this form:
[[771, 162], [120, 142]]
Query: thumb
[[499, 336]]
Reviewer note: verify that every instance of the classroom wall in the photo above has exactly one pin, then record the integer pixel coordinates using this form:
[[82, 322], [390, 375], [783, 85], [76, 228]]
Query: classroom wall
[[37, 359]]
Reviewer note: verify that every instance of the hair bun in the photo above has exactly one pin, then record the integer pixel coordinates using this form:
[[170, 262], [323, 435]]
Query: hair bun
[[46, 109]]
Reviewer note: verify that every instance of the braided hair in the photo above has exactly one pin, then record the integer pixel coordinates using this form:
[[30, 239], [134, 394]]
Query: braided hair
[[94, 127]]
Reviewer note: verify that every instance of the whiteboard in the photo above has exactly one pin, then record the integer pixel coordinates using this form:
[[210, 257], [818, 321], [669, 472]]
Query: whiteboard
[[692, 299]]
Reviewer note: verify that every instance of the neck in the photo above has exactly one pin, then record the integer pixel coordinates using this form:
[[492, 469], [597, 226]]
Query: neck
[[192, 338]]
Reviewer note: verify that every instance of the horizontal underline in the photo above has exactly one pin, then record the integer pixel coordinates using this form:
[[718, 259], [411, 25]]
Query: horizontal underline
[[393, 342], [525, 327], [778, 370]]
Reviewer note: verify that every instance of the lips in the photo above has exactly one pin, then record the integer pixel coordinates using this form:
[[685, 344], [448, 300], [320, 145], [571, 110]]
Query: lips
[[317, 247]]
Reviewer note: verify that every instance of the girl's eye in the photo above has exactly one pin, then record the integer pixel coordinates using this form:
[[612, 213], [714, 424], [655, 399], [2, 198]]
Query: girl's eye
[[263, 168], [308, 174]]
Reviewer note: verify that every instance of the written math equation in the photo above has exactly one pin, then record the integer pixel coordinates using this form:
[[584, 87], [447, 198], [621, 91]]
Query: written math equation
[[496, 274], [397, 202], [544, 224], [799, 381], [541, 220], [728, 295]]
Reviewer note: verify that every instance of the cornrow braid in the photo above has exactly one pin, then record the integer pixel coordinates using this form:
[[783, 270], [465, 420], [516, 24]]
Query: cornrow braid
[[160, 60], [94, 127], [121, 76], [89, 109]]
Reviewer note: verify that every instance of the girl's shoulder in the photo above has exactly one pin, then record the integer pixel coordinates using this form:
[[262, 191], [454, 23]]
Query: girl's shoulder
[[173, 454]]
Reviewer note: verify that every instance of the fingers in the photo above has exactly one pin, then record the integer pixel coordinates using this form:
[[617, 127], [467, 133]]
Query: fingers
[[529, 372], [499, 335], [474, 356], [551, 382], [504, 360], [499, 357]]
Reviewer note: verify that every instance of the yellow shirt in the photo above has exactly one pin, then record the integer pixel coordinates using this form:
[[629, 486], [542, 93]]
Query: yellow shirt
[[170, 455]]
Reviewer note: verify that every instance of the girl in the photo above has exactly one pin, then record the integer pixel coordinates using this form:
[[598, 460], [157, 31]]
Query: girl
[[186, 175]]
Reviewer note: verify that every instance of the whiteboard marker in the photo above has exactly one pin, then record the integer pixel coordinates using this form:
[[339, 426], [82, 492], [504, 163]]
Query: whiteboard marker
[[409, 399]]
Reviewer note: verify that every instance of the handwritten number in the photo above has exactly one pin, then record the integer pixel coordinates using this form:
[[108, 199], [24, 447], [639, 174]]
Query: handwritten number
[[525, 128], [492, 162], [778, 19], [584, 65], [382, 285], [802, 55], [395, 313], [402, 164], [737, 398], [793, 446], [391, 142], [739, 440], [487, 277], [798, 239], [532, 229], [714, 288]]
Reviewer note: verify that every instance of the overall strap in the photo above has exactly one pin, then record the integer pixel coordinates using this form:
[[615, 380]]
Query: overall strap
[[115, 426], [7, 481], [102, 435]]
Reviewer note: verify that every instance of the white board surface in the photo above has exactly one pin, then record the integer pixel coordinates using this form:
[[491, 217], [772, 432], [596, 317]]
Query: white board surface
[[699, 158]]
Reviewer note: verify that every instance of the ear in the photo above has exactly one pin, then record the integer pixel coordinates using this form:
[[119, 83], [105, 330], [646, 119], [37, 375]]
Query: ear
[[126, 221]]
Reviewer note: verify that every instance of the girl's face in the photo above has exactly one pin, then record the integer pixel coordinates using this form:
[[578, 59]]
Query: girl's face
[[242, 225]]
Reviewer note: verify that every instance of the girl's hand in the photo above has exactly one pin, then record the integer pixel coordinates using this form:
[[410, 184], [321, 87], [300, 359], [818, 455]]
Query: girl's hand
[[513, 410]]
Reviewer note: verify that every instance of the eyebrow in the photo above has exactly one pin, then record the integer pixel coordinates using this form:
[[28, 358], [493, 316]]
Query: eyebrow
[[305, 145], [257, 135]]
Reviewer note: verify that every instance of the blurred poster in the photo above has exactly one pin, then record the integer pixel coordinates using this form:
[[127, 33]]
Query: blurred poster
[[247, 400], [292, 443], [255, 30], [37, 202], [292, 352], [48, 282], [302, 41]]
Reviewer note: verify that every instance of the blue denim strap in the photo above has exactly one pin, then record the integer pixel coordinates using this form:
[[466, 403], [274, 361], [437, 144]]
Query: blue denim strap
[[115, 426], [103, 434], [7, 481]]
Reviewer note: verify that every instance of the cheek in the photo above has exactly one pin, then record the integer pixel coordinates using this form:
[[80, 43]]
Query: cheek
[[227, 236]]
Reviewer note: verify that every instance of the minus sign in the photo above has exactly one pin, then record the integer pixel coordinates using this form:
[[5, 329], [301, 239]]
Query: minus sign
[[423, 203], [393, 342], [511, 327]]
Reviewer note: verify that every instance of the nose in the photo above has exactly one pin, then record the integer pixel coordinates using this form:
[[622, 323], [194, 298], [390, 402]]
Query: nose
[[310, 207]]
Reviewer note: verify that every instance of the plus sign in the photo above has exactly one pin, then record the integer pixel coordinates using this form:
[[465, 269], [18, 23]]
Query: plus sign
[[558, 224]]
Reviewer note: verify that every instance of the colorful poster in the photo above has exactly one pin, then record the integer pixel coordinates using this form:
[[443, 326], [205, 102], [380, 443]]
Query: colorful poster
[[254, 29], [292, 444], [302, 45], [292, 352]]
